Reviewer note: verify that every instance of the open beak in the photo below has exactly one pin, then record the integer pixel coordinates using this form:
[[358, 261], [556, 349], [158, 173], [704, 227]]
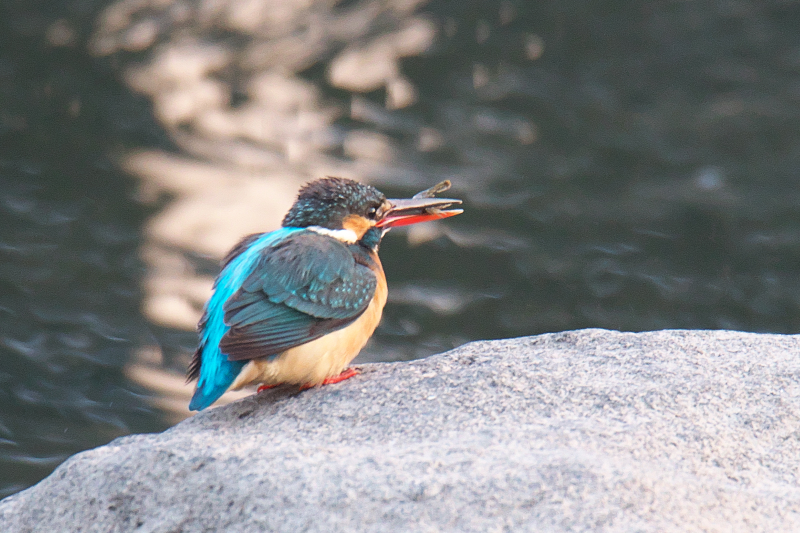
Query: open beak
[[413, 210]]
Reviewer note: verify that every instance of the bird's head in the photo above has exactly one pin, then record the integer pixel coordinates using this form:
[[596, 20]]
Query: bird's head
[[354, 212]]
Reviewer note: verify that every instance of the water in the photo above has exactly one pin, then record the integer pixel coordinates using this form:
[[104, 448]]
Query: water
[[630, 166]]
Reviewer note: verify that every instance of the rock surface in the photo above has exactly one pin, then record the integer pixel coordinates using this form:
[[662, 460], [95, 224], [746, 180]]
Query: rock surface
[[591, 430]]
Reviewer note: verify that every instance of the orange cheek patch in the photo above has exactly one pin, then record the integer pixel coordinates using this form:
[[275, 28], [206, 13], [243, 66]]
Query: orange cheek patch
[[357, 224]]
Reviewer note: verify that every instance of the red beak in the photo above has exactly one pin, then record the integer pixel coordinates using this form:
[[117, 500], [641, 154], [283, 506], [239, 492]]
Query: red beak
[[414, 210]]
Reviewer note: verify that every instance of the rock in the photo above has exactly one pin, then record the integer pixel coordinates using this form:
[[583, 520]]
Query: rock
[[580, 431]]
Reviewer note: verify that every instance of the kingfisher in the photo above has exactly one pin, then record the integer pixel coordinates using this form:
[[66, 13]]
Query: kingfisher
[[296, 305]]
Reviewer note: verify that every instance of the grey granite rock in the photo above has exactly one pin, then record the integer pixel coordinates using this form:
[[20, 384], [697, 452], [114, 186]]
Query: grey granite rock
[[580, 431]]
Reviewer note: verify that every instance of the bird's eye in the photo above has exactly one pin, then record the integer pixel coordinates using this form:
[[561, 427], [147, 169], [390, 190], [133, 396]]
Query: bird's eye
[[372, 211]]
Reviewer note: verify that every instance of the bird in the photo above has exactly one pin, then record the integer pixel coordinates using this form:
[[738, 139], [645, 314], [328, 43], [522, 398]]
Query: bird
[[296, 305]]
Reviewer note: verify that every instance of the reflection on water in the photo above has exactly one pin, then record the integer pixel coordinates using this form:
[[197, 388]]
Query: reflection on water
[[629, 165]]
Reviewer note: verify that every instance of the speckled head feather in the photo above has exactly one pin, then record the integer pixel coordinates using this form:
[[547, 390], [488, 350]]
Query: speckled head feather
[[327, 201]]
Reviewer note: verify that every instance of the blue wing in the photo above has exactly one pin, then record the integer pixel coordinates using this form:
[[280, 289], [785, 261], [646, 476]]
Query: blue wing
[[276, 291], [304, 288]]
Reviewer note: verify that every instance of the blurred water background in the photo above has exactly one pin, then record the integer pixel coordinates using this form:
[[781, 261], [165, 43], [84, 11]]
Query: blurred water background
[[629, 164]]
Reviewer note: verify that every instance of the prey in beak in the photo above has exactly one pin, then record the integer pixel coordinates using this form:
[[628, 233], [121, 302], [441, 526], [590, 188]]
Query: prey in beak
[[422, 207]]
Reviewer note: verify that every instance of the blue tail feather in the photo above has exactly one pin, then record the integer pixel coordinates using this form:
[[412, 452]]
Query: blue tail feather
[[215, 382]]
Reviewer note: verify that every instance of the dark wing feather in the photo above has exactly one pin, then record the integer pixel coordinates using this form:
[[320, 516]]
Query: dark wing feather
[[193, 372], [315, 274], [240, 247], [301, 289]]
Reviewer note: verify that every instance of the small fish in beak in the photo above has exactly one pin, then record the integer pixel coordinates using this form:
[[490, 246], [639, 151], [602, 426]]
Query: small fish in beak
[[422, 207]]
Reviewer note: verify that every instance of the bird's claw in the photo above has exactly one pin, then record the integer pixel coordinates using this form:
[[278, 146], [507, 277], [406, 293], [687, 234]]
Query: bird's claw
[[347, 373]]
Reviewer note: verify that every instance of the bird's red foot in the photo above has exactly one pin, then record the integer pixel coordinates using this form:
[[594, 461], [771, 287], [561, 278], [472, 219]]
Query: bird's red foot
[[347, 373], [266, 387]]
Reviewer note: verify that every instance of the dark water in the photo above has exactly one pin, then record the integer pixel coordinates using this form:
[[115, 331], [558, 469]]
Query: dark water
[[632, 165], [69, 273]]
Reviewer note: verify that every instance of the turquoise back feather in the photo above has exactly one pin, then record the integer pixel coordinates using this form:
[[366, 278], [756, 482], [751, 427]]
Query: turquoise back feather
[[217, 373]]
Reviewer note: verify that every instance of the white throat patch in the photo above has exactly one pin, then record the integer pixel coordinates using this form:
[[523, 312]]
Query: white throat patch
[[346, 236]]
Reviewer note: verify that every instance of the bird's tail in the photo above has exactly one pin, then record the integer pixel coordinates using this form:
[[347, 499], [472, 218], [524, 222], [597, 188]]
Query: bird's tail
[[214, 375]]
